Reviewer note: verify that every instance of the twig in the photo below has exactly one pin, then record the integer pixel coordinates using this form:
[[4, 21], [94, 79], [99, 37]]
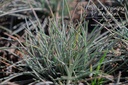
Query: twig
[[118, 80]]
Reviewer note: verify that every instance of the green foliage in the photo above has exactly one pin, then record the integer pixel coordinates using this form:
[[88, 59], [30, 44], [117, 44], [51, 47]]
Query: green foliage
[[66, 54], [98, 81]]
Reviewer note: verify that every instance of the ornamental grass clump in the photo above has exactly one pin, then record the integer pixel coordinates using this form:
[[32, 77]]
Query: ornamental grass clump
[[67, 55]]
